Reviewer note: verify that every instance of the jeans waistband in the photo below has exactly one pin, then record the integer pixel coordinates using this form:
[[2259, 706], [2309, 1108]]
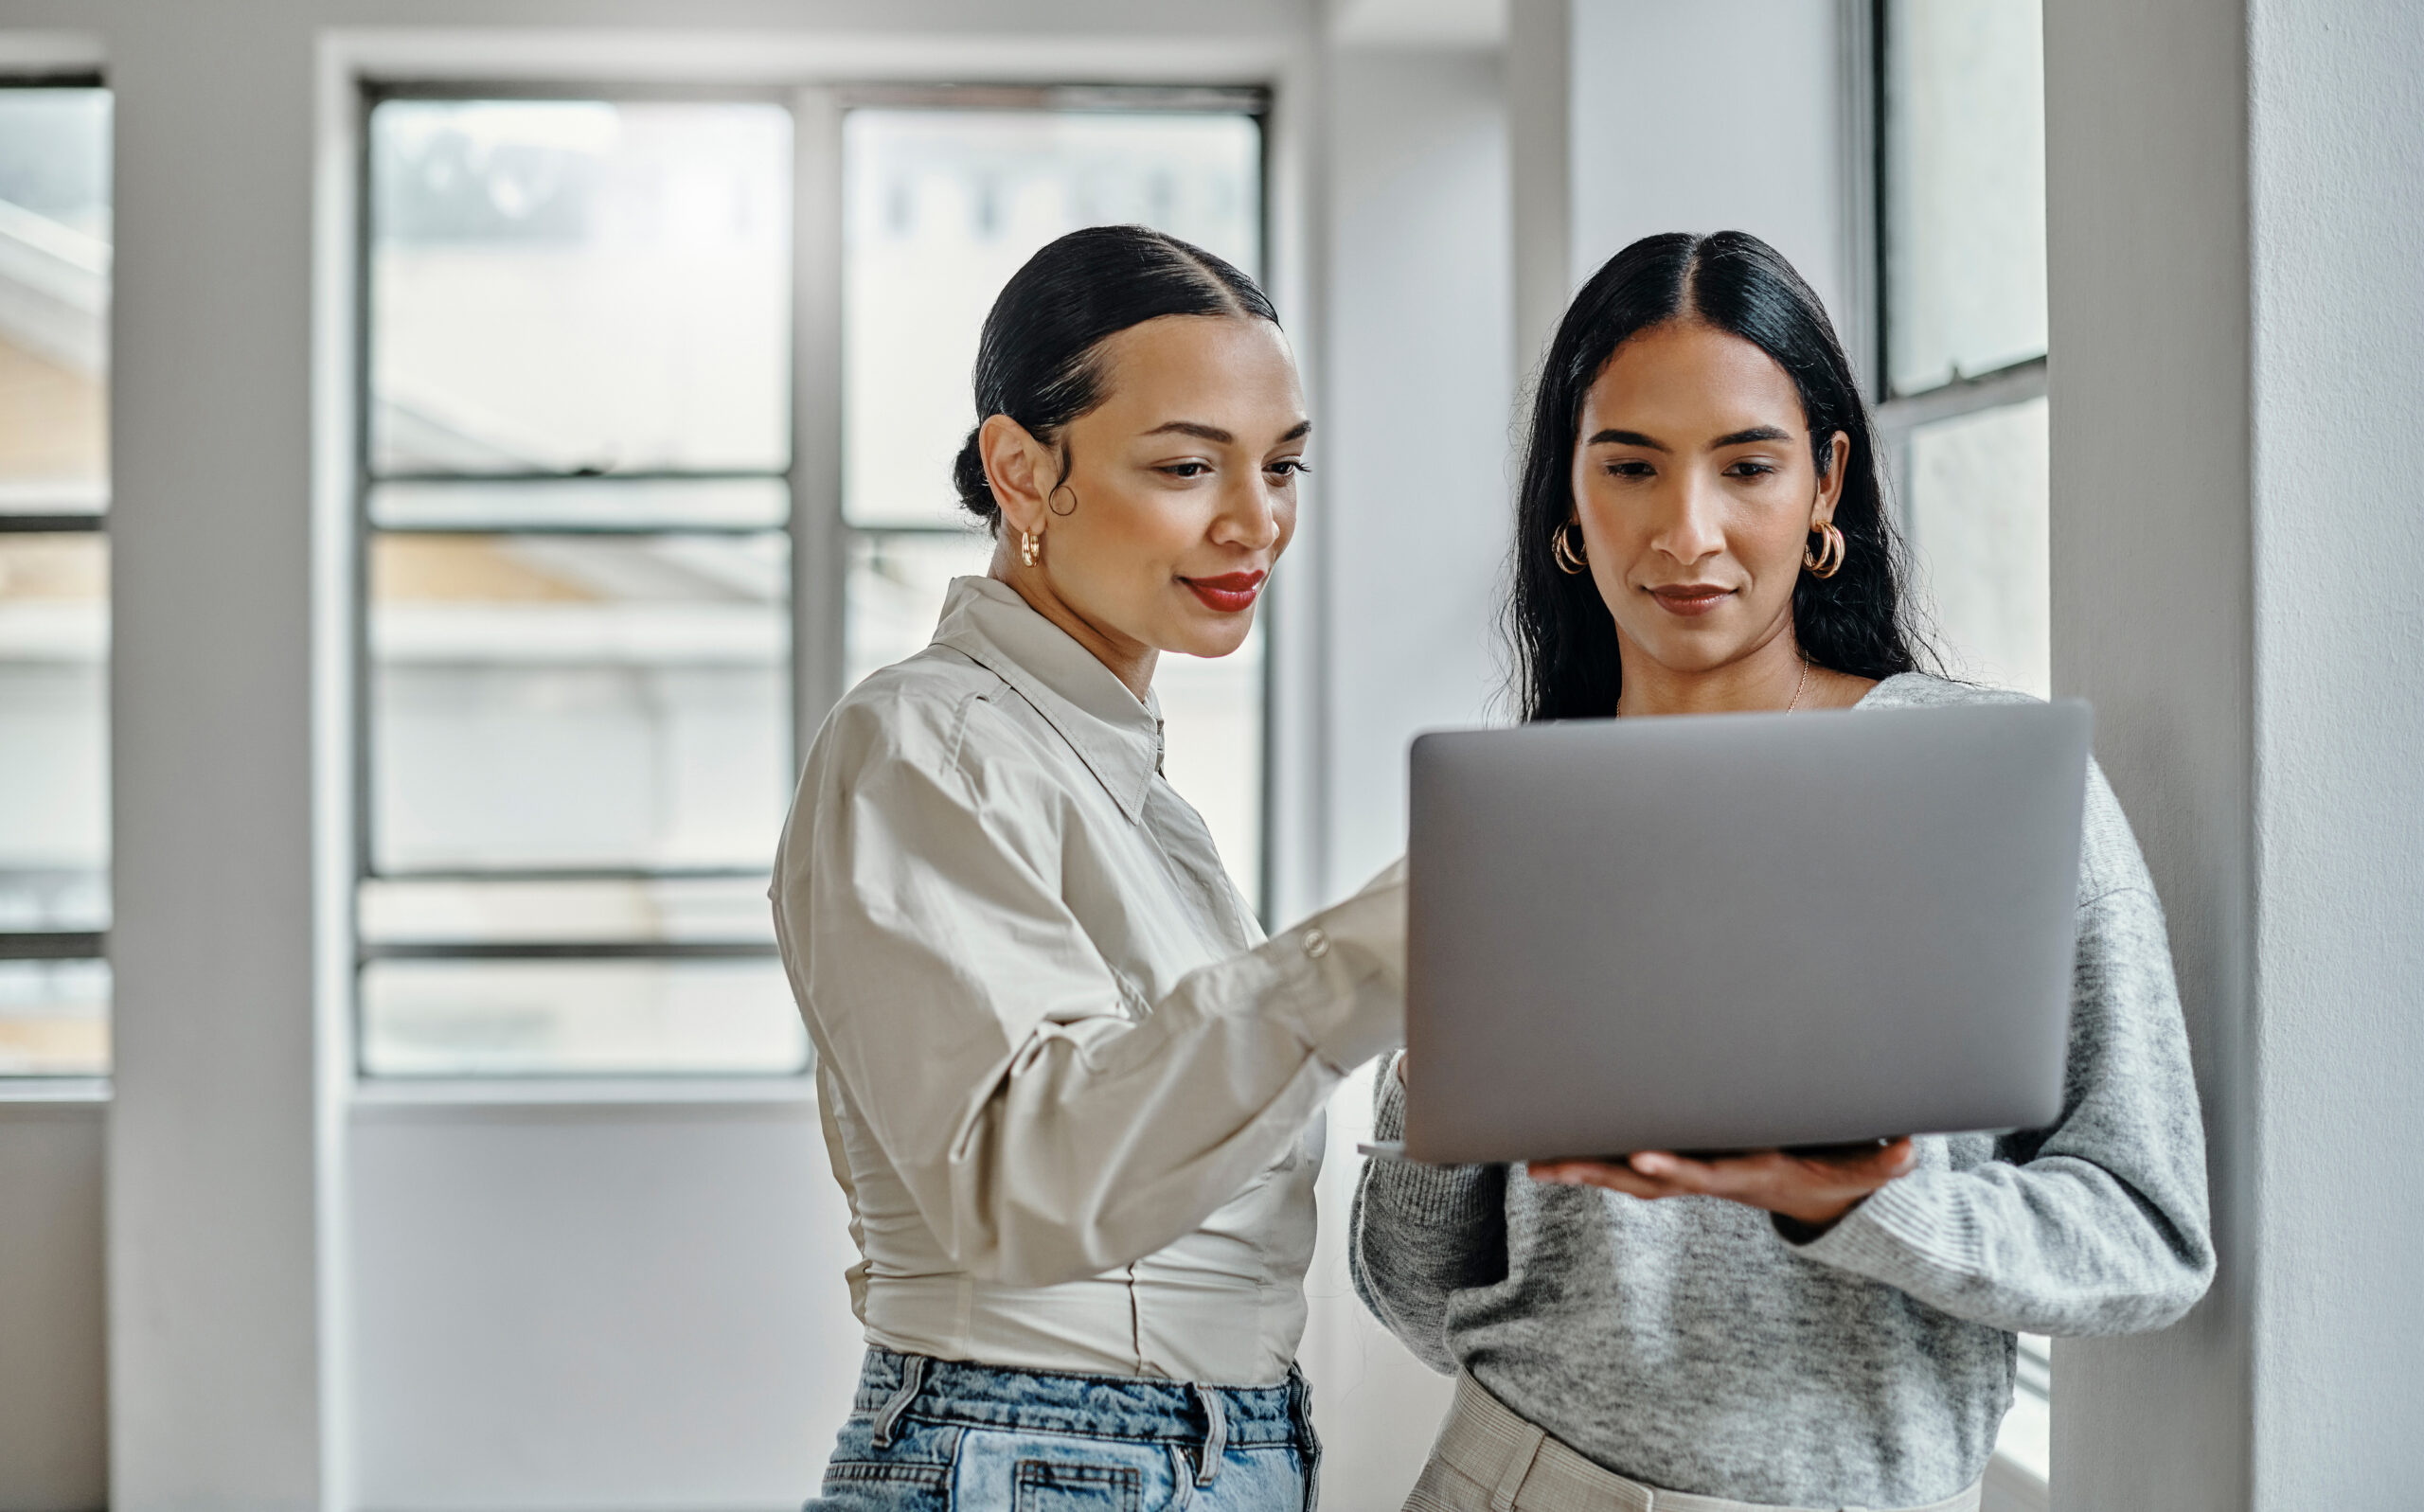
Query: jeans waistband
[[945, 1390]]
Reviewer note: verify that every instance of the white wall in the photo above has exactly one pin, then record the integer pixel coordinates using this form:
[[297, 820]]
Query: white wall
[[53, 1449], [598, 1306], [1412, 512], [2238, 353], [2336, 194], [1718, 115]]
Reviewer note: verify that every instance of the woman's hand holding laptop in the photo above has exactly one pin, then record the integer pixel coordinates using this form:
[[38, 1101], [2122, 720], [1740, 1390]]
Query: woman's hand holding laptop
[[1813, 1187]]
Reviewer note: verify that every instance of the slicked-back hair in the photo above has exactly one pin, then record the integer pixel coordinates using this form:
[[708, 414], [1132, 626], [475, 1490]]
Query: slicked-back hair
[[1565, 639], [1040, 358]]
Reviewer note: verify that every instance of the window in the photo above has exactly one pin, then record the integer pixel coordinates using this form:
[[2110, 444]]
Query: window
[[577, 706], [583, 519], [1961, 229], [1963, 196], [54, 578]]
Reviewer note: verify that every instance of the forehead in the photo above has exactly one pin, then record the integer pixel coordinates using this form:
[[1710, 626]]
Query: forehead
[[1206, 366], [1689, 376]]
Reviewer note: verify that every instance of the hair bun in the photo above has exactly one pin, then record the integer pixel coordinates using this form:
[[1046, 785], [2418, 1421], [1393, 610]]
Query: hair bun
[[968, 475]]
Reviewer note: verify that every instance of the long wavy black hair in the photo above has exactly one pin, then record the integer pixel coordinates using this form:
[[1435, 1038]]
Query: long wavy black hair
[[1565, 640]]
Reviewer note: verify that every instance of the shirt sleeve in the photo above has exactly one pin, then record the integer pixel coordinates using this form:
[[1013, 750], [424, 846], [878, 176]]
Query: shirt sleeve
[[1047, 1121], [1419, 1234], [2098, 1225]]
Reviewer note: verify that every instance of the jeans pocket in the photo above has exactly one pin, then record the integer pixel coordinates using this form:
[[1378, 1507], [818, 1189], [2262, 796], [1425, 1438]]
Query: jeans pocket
[[1051, 1486]]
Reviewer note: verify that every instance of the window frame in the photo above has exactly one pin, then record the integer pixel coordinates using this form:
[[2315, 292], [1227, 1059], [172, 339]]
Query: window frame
[[1900, 415], [1897, 419], [821, 539], [59, 945]]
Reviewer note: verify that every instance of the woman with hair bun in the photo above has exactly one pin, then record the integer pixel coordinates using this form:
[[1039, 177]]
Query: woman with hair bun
[[1702, 529], [1071, 1092]]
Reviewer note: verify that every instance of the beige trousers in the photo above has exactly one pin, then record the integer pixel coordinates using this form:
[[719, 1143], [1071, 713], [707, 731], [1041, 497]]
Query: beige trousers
[[1490, 1460]]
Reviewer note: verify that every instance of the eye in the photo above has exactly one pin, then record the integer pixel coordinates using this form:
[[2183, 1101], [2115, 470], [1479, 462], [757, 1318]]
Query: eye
[[1750, 468], [1187, 470], [1286, 468], [1630, 467]]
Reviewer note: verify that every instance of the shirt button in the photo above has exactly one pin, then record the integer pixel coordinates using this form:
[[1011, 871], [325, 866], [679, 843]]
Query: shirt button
[[1316, 944]]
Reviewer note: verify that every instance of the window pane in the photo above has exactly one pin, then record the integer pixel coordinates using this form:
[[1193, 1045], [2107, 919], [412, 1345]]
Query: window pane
[[609, 504], [687, 909], [579, 702], [54, 299], [942, 206], [54, 732], [559, 285], [54, 1017], [897, 587], [1965, 190], [1978, 522], [520, 1018]]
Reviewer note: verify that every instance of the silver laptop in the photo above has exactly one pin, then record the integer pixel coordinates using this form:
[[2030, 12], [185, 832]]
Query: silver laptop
[[1738, 932]]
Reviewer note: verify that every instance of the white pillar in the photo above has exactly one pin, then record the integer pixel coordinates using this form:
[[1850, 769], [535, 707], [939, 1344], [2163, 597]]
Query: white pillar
[[1538, 69], [2238, 356], [218, 1381]]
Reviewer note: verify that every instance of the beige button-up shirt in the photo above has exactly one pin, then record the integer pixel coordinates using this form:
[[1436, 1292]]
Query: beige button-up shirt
[[1071, 1094]]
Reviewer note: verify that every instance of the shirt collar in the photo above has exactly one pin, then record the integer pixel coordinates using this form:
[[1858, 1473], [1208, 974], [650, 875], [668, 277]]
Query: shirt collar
[[1115, 734]]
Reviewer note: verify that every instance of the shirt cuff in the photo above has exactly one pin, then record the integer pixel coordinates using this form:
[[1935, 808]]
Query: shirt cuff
[[1898, 1237], [1344, 978]]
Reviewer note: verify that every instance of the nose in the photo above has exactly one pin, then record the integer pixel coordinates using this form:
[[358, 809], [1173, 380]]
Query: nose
[[1249, 516], [1688, 526]]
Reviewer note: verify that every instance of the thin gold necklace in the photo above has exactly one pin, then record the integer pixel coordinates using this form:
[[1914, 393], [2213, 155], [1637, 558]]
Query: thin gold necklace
[[1799, 682]]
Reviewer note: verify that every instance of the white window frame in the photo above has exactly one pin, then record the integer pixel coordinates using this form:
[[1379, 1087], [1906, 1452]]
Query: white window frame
[[820, 536]]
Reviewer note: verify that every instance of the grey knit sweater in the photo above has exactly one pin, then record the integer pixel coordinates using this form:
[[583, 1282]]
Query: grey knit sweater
[[1687, 1343]]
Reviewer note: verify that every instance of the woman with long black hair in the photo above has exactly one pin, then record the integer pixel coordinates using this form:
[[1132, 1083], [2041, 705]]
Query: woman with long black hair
[[1701, 529], [1072, 1095]]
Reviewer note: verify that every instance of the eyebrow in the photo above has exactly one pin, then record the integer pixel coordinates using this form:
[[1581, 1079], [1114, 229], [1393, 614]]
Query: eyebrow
[[1756, 433], [1219, 437]]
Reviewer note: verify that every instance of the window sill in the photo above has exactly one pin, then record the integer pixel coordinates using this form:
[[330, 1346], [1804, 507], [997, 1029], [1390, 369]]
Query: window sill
[[405, 1098], [53, 1092]]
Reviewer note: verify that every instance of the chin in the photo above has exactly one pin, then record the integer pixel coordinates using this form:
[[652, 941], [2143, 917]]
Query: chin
[[1210, 642]]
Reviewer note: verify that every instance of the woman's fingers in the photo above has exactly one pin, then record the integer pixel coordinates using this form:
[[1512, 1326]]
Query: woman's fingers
[[1612, 1178]]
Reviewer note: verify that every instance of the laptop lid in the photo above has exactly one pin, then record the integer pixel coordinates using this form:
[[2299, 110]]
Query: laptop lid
[[1740, 931]]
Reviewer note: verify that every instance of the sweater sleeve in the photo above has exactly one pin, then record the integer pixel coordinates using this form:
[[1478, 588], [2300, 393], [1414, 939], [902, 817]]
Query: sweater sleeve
[[2099, 1224], [1420, 1233]]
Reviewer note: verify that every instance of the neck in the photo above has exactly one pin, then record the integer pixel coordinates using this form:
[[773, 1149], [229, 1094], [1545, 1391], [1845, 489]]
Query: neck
[[1131, 661], [1764, 678]]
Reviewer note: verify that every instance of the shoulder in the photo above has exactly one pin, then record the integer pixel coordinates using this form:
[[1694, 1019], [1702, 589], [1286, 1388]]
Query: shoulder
[[2110, 862], [937, 713], [1910, 690]]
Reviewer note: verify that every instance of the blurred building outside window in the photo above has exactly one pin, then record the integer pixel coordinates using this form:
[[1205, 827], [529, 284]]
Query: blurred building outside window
[[1963, 417], [55, 239], [580, 643]]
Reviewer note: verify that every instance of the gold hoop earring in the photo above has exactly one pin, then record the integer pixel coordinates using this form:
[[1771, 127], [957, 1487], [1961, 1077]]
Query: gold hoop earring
[[1027, 544], [1569, 557], [1828, 559]]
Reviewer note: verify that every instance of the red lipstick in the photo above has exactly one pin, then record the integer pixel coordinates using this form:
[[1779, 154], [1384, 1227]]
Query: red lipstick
[[1689, 600], [1229, 593]]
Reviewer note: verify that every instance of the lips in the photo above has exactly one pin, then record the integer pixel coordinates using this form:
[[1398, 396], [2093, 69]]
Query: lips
[[1690, 599], [1230, 592]]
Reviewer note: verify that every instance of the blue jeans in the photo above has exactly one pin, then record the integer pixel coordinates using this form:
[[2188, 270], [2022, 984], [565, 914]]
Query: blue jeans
[[932, 1435]]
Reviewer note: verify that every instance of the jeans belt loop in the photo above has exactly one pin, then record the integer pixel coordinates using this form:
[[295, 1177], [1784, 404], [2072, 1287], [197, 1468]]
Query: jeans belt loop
[[1215, 1435], [913, 1375]]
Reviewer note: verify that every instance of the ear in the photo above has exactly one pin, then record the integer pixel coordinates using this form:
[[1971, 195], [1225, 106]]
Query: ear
[[1020, 469], [1831, 487]]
